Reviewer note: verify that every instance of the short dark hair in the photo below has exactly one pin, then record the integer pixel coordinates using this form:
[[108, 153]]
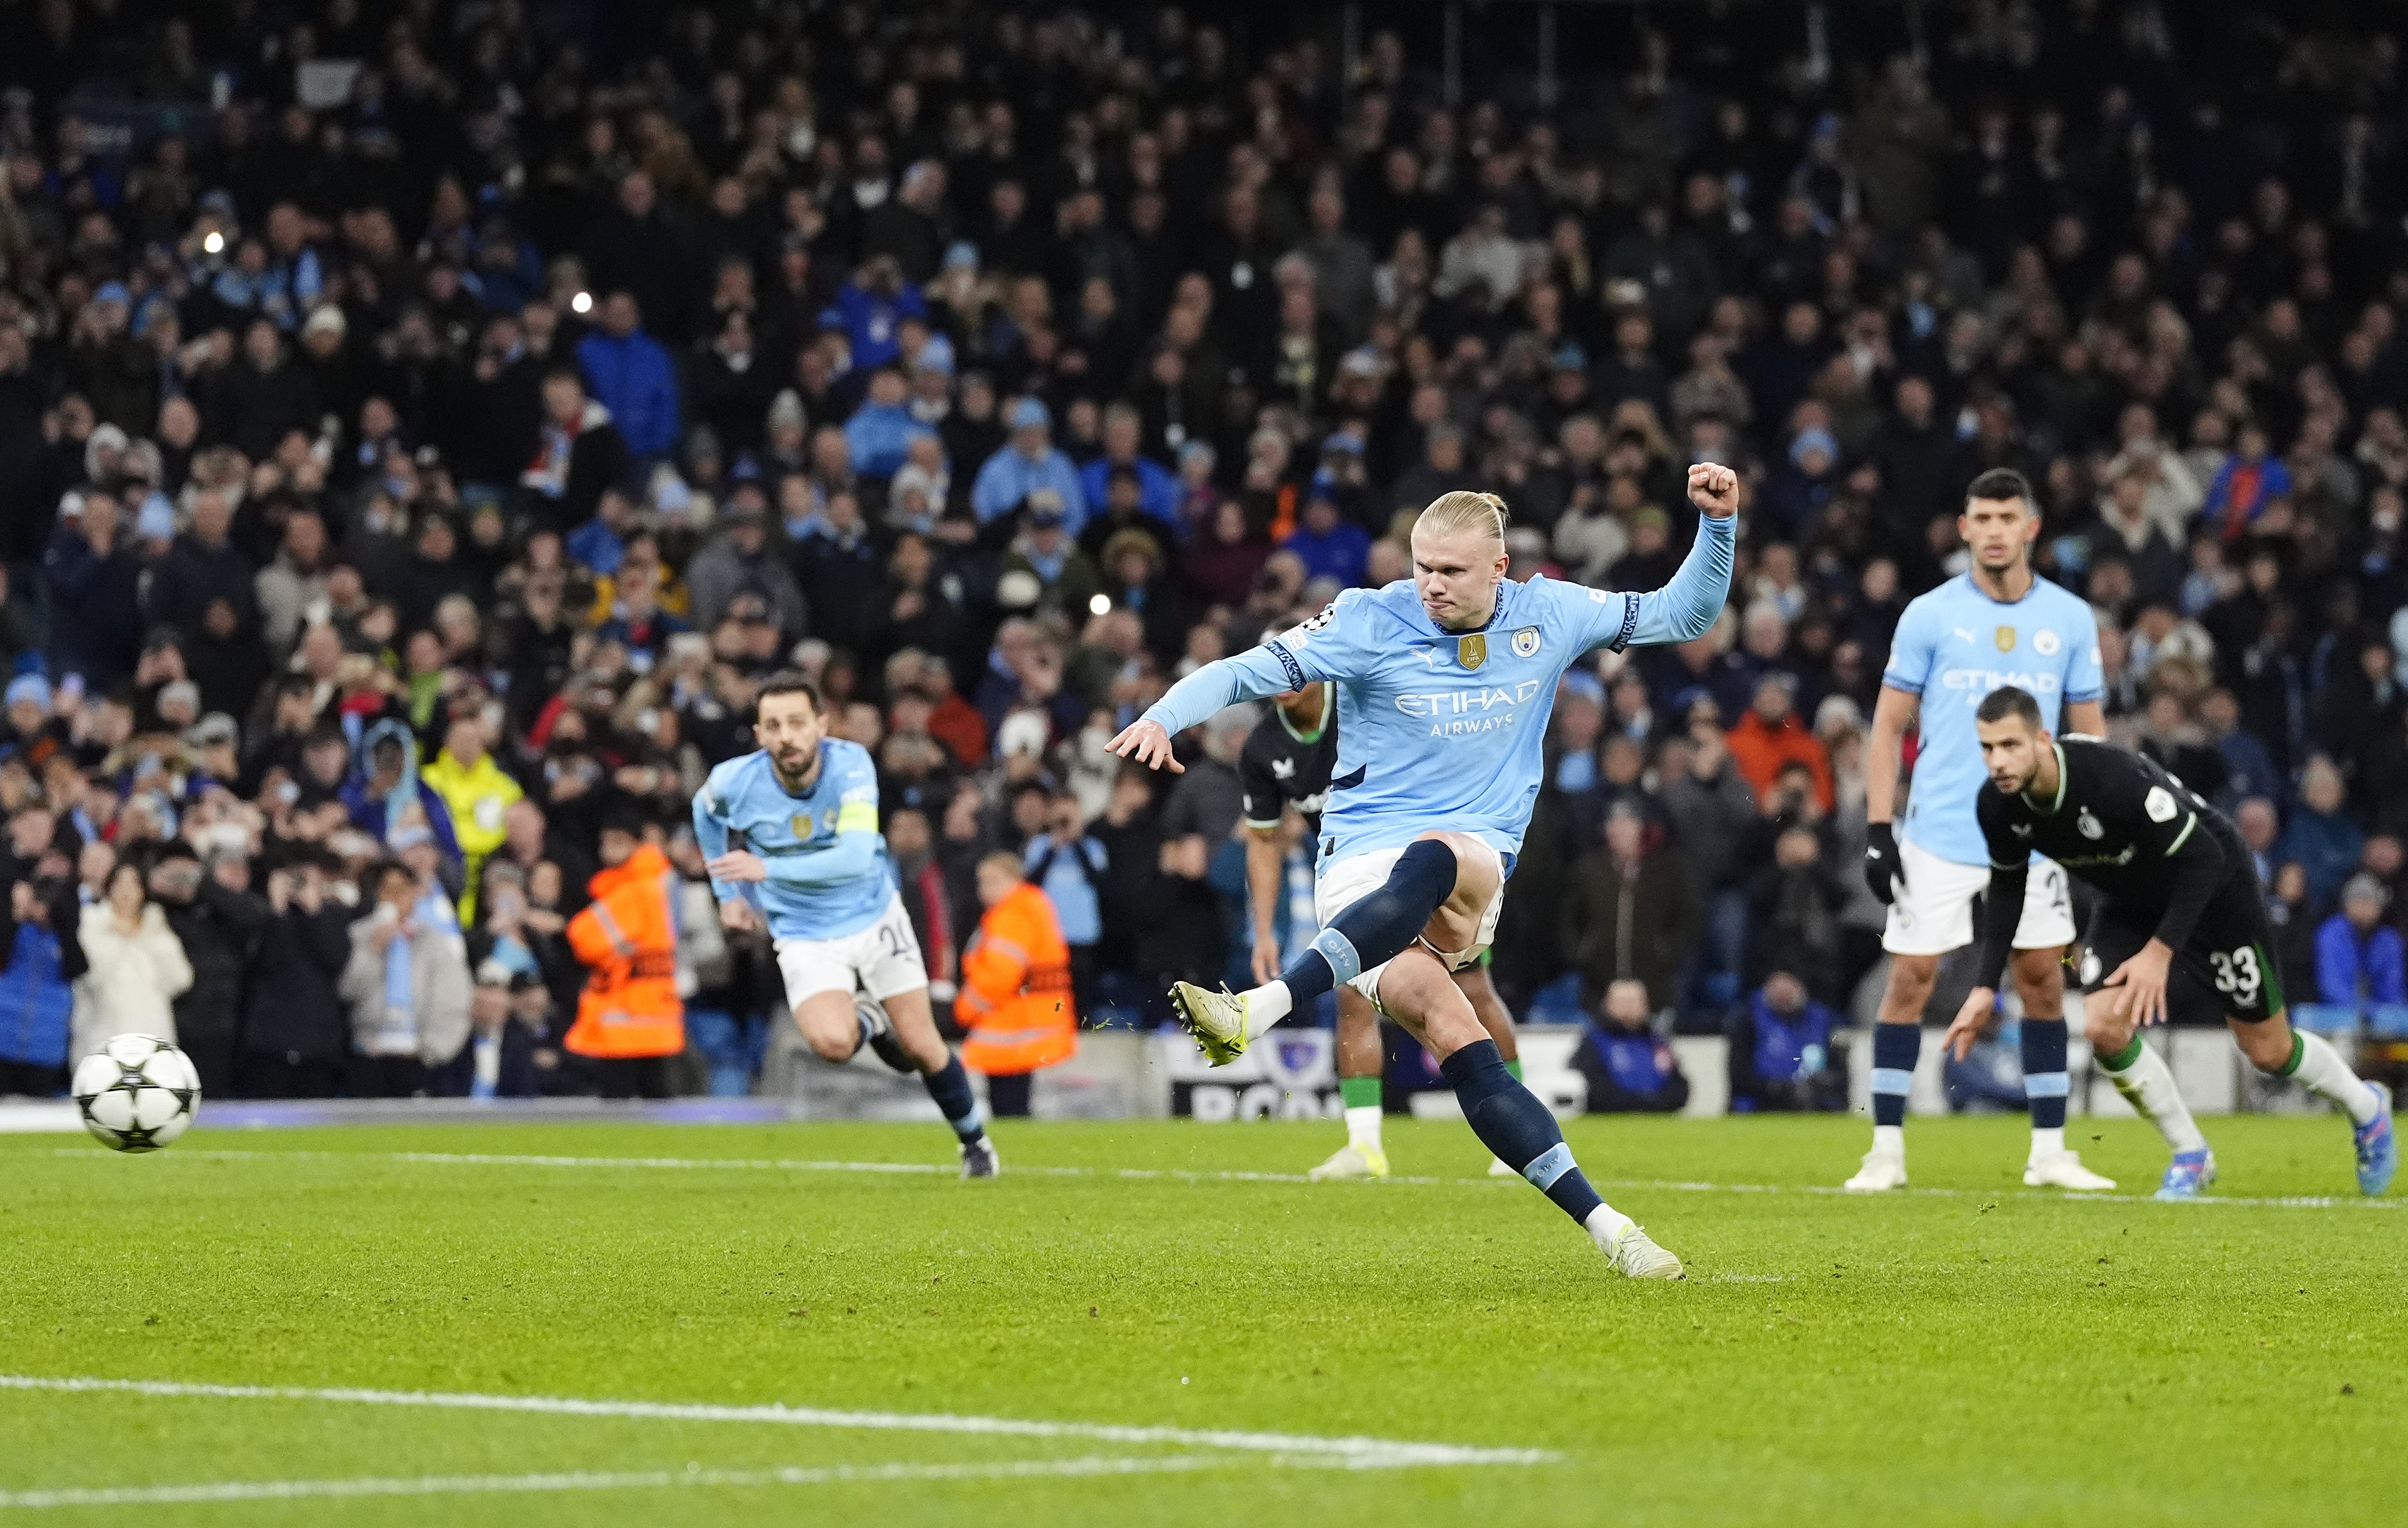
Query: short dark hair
[[790, 681], [623, 815], [2006, 701], [2001, 483]]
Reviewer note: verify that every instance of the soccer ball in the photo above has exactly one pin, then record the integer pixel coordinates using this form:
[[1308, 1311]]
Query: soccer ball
[[137, 1093]]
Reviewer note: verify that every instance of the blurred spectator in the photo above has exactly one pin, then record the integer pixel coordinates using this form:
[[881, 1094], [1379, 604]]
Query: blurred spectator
[[1027, 465], [296, 1035], [38, 968], [2359, 960], [135, 967], [1068, 863], [407, 982], [216, 919], [1712, 812], [1629, 1068], [500, 1059], [386, 798], [1627, 914], [477, 797], [1794, 903], [1015, 999], [1781, 1058], [630, 375], [2320, 835], [1771, 735]]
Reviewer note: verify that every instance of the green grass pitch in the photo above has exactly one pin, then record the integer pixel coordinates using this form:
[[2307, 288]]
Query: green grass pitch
[[1978, 1355]]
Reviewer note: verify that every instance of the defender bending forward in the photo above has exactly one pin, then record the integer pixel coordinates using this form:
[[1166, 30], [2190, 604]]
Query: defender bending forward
[[1445, 688], [817, 870], [2175, 883]]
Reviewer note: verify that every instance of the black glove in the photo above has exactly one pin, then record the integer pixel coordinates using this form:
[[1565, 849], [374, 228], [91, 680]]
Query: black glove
[[1884, 871]]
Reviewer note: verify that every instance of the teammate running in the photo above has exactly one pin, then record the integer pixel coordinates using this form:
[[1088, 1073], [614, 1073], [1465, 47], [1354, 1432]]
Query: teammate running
[[1288, 765], [2176, 884], [815, 869], [1445, 687], [1995, 623]]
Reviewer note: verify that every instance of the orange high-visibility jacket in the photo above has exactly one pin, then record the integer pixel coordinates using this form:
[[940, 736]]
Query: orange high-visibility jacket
[[626, 937], [1015, 992]]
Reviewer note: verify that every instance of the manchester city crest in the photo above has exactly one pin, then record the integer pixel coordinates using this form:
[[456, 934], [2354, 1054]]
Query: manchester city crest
[[2045, 643], [1471, 651], [1526, 642]]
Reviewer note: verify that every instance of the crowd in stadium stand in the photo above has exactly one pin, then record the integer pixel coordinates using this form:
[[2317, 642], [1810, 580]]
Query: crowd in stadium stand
[[423, 424]]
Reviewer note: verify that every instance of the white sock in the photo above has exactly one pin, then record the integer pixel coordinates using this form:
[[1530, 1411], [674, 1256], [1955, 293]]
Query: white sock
[[1606, 1226], [1363, 1126], [1890, 1140], [2047, 1143], [1266, 1005], [2148, 1086], [2322, 1072]]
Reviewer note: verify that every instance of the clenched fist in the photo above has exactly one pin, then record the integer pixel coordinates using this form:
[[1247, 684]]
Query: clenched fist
[[1714, 490]]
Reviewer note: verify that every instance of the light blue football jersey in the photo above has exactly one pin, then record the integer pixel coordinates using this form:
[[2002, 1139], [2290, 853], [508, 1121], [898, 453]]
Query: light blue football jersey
[[1440, 729], [797, 837], [1954, 646]]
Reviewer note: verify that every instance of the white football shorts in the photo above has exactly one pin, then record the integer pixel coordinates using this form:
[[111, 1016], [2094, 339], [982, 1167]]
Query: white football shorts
[[1339, 884], [1935, 915], [882, 958]]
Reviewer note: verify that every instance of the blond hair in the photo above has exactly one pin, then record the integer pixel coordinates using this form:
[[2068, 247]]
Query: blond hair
[[1484, 514]]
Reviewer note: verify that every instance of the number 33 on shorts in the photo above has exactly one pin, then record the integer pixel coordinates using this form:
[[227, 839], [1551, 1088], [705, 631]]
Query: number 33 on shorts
[[2237, 976]]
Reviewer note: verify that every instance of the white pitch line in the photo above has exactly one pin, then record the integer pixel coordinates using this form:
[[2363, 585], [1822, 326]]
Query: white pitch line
[[1369, 1452], [438, 1485], [1832, 1190], [1184, 1175]]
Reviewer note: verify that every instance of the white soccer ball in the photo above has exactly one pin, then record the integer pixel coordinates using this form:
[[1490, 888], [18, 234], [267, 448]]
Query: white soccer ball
[[137, 1093]]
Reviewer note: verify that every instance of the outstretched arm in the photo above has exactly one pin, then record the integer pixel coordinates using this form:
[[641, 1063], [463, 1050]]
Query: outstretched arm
[[1686, 607], [1248, 675]]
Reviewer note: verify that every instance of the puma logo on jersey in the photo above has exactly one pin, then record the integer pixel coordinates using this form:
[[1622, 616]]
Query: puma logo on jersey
[[1282, 769], [1965, 633], [2021, 830]]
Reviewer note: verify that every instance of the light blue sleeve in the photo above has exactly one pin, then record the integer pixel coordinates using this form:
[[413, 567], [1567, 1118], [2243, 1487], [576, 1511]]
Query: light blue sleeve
[[1686, 607], [1249, 676], [1908, 668], [711, 831], [996, 488], [2085, 675], [1337, 644], [1592, 618]]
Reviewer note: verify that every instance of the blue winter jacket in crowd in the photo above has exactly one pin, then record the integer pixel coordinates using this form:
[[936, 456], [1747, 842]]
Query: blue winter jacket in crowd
[[36, 995], [636, 380], [1157, 488], [2355, 968], [879, 439]]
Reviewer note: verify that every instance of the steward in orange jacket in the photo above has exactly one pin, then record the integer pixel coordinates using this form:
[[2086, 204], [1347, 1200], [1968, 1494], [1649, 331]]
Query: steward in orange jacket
[[1015, 992], [626, 937]]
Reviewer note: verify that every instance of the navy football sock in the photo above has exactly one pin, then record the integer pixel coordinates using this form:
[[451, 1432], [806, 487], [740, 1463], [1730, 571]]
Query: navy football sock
[[1894, 1050], [950, 1086], [1376, 928], [1510, 1122], [2046, 1083]]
